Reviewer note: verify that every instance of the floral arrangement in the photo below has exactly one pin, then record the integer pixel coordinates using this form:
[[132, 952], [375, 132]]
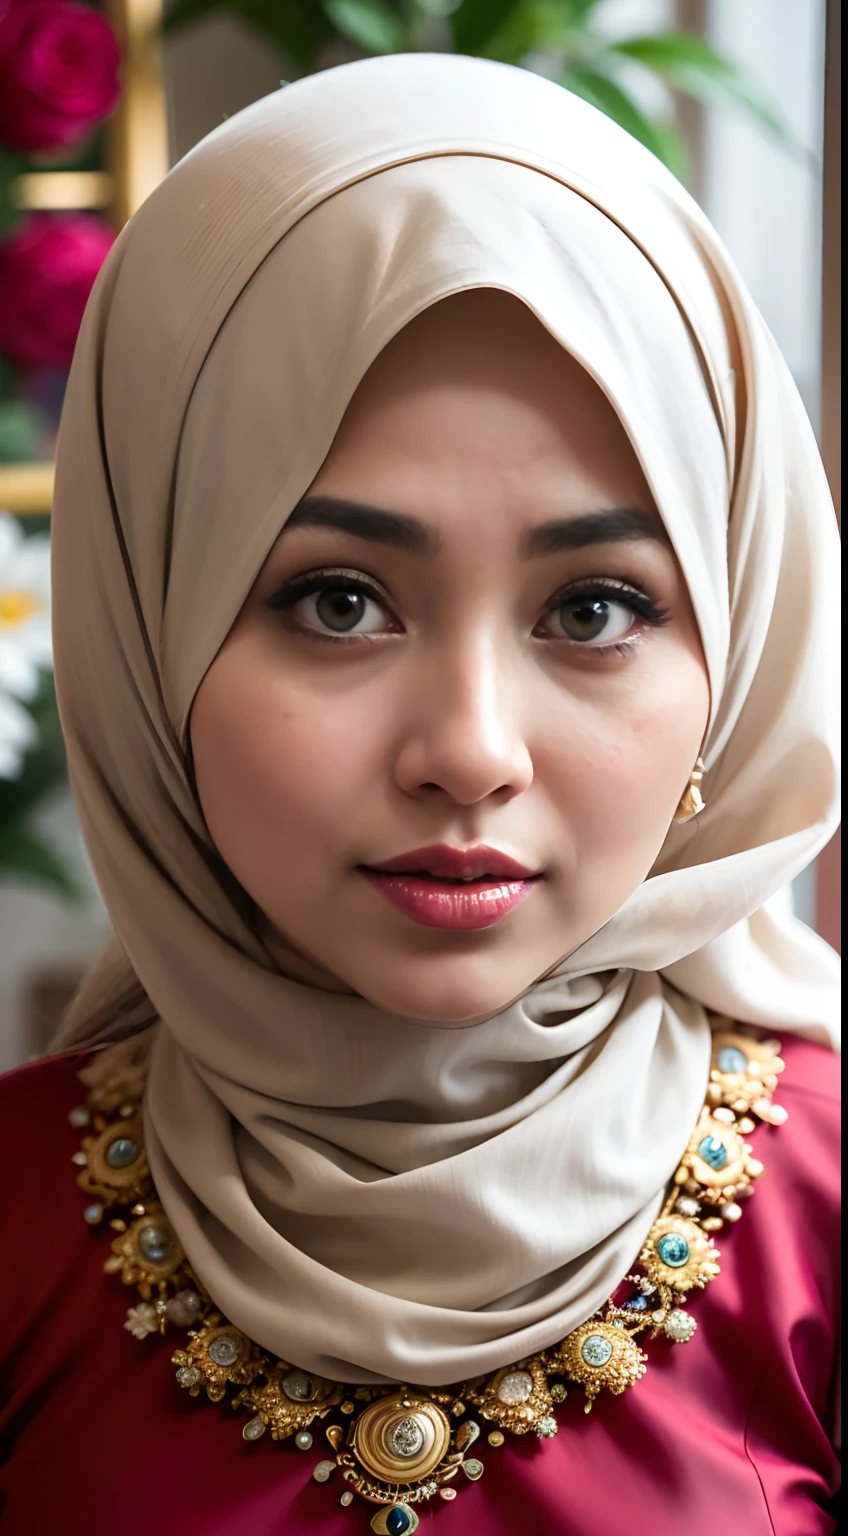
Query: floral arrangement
[[32, 758], [24, 637], [58, 72], [59, 80], [566, 40]]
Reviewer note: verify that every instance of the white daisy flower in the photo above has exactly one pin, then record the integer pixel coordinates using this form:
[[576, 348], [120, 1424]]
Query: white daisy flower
[[25, 645], [17, 735], [24, 637]]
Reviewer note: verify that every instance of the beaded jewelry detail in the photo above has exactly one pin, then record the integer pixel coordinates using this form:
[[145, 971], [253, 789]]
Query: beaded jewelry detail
[[397, 1447]]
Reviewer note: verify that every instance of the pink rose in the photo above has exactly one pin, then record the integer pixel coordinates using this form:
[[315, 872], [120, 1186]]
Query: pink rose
[[58, 72], [47, 269]]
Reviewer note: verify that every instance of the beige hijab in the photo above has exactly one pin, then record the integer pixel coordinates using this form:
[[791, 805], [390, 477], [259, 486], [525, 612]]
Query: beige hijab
[[373, 1197]]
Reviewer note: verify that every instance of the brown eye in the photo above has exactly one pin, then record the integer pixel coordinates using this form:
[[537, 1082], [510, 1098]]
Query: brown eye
[[334, 607], [591, 620], [340, 611]]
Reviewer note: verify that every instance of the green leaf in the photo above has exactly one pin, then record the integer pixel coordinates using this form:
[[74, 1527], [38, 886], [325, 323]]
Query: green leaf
[[371, 24], [475, 22], [528, 27], [11, 165], [8, 379], [24, 854], [18, 432], [434, 7], [297, 27], [577, 12], [182, 12], [690, 65], [672, 148], [616, 103]]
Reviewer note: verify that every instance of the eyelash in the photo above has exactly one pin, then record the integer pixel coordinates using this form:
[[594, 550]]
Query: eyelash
[[651, 613], [313, 582]]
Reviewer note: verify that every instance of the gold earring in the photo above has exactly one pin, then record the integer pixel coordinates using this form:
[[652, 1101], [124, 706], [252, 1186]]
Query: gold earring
[[692, 801]]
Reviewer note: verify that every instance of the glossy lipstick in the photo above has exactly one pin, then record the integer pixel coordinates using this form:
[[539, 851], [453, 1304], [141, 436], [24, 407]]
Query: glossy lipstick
[[444, 887]]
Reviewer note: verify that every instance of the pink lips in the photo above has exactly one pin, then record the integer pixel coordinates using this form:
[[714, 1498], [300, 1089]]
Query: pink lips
[[423, 884]]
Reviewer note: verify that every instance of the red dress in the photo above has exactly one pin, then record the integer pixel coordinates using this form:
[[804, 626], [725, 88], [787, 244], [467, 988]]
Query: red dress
[[727, 1435]]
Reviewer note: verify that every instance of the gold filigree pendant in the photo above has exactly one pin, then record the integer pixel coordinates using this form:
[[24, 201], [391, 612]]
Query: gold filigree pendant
[[398, 1447]]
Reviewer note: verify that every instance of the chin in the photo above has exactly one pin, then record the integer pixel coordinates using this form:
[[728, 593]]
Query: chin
[[441, 991]]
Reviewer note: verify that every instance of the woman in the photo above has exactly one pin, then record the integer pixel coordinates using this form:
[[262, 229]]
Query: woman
[[437, 532]]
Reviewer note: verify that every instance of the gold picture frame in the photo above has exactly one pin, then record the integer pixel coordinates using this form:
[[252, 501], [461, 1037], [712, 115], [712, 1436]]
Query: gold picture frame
[[136, 159]]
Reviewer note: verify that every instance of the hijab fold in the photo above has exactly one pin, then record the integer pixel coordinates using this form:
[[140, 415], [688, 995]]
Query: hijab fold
[[373, 1197]]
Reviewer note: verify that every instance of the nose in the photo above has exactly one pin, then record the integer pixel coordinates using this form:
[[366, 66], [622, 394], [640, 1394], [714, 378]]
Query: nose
[[464, 736]]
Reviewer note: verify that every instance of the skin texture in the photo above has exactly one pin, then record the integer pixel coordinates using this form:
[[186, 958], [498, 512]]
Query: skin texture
[[471, 709]]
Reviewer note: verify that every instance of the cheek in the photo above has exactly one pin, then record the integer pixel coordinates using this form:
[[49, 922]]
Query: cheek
[[619, 761], [270, 758]]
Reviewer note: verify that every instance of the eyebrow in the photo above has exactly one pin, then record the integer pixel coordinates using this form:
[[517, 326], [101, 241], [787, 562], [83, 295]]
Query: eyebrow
[[397, 529], [365, 522], [606, 527]]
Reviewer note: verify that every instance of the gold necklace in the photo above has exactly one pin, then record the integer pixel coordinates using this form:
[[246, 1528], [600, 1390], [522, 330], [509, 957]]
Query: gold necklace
[[398, 1446]]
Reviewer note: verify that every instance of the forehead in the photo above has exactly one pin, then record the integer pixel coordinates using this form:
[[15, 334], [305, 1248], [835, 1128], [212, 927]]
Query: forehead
[[476, 391]]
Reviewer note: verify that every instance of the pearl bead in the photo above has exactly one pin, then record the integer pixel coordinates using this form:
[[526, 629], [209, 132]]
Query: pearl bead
[[730, 1212], [679, 1326], [183, 1308], [155, 1242]]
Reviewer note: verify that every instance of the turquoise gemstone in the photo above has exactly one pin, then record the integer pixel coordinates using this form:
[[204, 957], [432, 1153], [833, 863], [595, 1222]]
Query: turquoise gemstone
[[731, 1059], [123, 1152], [398, 1521], [673, 1250], [713, 1151]]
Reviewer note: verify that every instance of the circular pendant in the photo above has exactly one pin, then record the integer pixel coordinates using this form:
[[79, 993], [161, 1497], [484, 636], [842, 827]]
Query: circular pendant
[[679, 1254], [600, 1355], [116, 1161], [401, 1438], [517, 1398]]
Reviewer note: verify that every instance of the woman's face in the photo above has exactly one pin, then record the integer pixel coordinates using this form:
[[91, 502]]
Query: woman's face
[[470, 655]]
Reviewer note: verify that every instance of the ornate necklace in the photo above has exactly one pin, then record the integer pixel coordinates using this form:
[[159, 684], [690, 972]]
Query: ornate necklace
[[400, 1445]]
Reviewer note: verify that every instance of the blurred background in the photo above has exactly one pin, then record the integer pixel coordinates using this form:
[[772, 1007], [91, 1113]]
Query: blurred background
[[742, 98]]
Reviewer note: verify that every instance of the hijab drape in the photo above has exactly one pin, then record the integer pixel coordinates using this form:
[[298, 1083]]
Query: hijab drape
[[373, 1197]]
